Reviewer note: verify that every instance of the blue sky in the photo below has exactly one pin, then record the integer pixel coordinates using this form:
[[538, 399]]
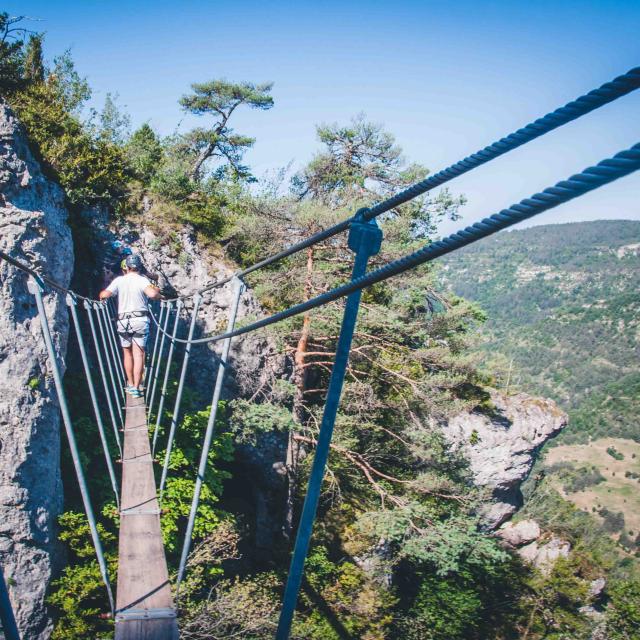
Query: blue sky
[[444, 78]]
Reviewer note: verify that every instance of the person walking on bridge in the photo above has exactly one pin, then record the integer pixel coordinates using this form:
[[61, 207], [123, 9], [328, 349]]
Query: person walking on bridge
[[133, 291]]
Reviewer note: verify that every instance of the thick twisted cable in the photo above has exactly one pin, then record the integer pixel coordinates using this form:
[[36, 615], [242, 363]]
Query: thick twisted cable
[[620, 86], [608, 92], [622, 164], [159, 362]]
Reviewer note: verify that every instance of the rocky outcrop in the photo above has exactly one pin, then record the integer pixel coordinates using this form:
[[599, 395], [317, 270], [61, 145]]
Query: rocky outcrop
[[540, 549], [543, 555], [34, 228], [516, 534], [501, 446]]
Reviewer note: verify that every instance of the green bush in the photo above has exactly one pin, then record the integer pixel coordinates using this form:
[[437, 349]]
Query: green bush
[[78, 596], [91, 170], [614, 453], [623, 613]]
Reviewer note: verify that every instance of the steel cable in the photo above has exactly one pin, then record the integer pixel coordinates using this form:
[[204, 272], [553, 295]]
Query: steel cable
[[622, 164], [608, 92]]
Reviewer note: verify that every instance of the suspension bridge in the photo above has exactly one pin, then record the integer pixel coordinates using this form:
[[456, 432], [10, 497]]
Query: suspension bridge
[[144, 606]]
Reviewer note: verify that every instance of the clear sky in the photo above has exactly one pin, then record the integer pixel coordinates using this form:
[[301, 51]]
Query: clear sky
[[446, 78]]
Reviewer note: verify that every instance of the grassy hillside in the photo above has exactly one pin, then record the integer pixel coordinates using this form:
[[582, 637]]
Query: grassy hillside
[[563, 309], [603, 481]]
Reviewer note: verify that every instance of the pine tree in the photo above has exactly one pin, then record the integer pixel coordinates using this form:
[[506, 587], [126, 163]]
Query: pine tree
[[219, 99], [33, 60]]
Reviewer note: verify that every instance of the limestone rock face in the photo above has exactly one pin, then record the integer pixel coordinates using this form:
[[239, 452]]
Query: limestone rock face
[[34, 227], [519, 533], [501, 446], [544, 555]]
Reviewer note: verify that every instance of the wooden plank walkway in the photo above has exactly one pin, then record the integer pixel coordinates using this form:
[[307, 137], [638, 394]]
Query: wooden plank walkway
[[144, 604]]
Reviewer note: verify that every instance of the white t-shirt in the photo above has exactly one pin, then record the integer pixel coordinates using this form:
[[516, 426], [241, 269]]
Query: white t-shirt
[[130, 291]]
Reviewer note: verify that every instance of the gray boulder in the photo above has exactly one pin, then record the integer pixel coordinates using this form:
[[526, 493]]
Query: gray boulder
[[520, 533], [34, 227], [544, 555]]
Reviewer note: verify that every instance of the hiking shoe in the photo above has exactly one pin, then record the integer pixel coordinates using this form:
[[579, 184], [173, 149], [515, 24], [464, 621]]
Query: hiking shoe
[[129, 389], [135, 393]]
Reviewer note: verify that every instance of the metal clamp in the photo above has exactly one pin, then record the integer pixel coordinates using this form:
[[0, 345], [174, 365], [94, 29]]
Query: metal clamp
[[135, 511], [158, 613]]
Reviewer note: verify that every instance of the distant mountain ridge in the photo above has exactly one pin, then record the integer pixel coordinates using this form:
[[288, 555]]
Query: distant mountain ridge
[[563, 308]]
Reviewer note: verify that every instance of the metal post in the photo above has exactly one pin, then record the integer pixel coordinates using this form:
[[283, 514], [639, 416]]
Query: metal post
[[159, 365], [110, 322], [103, 374], [176, 322], [108, 357], [213, 412], [114, 350], [9, 626], [155, 348], [197, 299], [71, 303], [365, 239], [35, 289], [153, 330]]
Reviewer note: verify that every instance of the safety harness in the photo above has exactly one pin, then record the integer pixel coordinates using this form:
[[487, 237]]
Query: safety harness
[[124, 324]]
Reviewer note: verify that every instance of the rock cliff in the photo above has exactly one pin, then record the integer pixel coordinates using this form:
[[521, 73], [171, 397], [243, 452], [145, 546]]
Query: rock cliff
[[34, 227], [501, 446]]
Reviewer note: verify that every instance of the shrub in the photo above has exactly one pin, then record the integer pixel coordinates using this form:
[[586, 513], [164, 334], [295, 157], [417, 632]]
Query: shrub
[[614, 453], [90, 169], [623, 613]]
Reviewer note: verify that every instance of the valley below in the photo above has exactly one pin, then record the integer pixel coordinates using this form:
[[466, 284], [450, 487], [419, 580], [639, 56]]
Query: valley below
[[563, 321]]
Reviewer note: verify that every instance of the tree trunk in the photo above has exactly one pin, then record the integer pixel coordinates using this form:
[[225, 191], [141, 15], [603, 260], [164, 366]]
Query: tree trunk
[[200, 160], [299, 411]]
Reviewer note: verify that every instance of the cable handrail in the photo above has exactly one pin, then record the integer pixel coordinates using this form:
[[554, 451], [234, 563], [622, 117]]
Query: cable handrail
[[607, 171], [608, 92]]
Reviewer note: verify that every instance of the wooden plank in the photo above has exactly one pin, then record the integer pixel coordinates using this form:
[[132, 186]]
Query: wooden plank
[[143, 578]]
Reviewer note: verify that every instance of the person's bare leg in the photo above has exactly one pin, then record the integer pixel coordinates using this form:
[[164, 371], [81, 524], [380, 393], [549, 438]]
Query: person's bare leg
[[128, 365], [138, 365]]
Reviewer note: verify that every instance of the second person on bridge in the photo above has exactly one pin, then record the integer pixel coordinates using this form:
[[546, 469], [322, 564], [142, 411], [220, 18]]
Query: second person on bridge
[[133, 291]]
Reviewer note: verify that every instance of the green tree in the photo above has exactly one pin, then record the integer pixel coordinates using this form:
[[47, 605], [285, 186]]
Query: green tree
[[12, 34], [360, 163], [407, 366], [33, 60], [71, 88], [145, 153], [219, 99], [114, 123], [91, 170]]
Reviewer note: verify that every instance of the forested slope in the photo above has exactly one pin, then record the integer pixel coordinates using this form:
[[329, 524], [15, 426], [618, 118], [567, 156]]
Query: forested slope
[[563, 307]]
